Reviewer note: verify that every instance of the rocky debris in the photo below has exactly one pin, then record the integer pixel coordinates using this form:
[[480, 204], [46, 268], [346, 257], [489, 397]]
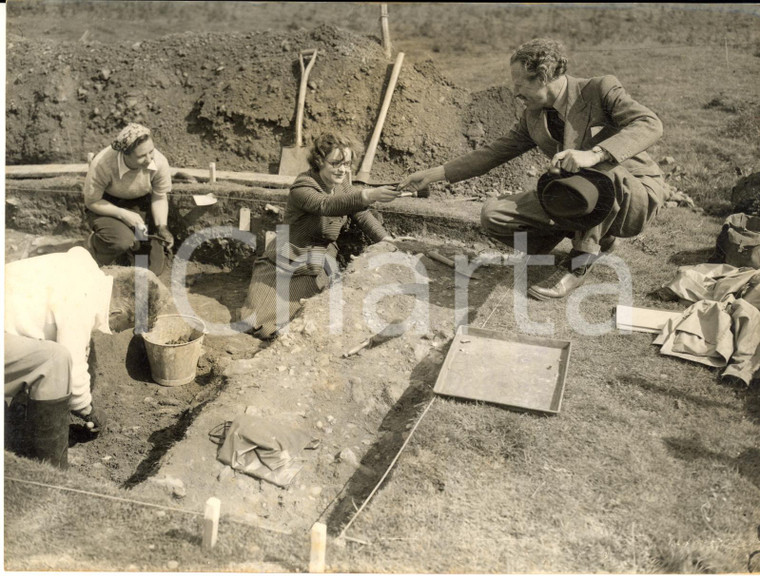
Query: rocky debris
[[229, 99], [173, 485]]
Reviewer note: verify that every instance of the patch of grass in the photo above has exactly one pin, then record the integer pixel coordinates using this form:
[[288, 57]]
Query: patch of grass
[[649, 467], [50, 529]]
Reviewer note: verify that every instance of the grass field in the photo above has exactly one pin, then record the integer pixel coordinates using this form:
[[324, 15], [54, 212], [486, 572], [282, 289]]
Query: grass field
[[653, 465]]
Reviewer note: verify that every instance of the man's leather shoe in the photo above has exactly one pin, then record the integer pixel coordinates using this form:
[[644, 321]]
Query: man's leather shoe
[[558, 285], [563, 280]]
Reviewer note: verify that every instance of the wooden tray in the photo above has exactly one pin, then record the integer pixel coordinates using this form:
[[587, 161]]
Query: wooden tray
[[522, 372]]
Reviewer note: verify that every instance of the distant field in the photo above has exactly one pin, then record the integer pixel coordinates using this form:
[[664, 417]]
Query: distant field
[[695, 65], [653, 466]]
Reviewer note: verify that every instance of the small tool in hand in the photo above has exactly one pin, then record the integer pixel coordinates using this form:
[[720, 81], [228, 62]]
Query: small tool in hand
[[424, 193]]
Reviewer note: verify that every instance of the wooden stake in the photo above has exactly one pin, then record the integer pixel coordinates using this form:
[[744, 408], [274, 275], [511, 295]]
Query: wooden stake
[[212, 172], [90, 156], [245, 219], [211, 522], [386, 32], [318, 548]]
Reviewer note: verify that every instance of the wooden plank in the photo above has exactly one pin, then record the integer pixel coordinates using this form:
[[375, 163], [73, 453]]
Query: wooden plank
[[318, 548], [202, 175], [44, 170], [245, 219], [211, 522], [648, 320]]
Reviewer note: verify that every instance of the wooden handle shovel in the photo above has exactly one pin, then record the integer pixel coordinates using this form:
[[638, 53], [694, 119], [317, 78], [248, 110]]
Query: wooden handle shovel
[[369, 157]]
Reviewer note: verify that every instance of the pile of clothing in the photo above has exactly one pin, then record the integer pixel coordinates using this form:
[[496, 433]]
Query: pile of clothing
[[722, 326]]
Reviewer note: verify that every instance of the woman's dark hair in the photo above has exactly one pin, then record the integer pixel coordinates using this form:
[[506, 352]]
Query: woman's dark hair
[[542, 58], [325, 144], [140, 139]]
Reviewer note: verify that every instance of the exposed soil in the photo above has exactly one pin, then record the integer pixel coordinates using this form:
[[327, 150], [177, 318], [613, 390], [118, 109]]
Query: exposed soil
[[231, 98], [144, 419]]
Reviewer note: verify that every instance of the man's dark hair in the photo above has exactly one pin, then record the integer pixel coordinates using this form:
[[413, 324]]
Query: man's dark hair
[[542, 58]]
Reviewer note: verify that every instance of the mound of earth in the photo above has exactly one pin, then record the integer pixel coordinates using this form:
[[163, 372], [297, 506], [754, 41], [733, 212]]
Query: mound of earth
[[231, 99]]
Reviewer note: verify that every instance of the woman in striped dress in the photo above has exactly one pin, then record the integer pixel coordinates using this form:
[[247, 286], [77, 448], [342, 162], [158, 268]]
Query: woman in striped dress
[[300, 262]]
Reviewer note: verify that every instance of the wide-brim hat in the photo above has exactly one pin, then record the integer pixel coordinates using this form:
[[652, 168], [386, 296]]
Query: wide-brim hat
[[576, 201]]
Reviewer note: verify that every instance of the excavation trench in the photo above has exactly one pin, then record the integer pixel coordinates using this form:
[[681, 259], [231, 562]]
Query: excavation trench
[[148, 422]]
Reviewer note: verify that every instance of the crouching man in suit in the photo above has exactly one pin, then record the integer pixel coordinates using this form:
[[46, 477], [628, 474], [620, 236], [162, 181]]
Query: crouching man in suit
[[52, 305], [587, 127]]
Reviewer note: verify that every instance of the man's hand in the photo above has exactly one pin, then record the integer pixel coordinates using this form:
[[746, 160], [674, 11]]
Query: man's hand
[[133, 220], [574, 160], [380, 194], [421, 179], [166, 236]]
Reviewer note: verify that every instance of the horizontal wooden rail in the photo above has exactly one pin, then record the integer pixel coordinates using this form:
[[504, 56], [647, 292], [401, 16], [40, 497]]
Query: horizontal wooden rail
[[200, 174]]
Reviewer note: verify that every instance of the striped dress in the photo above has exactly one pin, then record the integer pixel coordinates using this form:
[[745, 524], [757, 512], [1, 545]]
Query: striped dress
[[299, 264]]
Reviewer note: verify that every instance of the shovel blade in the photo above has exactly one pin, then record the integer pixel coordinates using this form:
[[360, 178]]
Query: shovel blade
[[294, 160]]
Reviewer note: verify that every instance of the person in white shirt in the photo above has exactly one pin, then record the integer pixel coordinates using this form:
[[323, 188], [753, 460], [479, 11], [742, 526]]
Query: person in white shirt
[[126, 196], [52, 305]]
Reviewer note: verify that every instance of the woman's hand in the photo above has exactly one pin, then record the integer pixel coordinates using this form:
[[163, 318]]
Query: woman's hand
[[166, 236], [381, 194], [423, 178], [133, 220]]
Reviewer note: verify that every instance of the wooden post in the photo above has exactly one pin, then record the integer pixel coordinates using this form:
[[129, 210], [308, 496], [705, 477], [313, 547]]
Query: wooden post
[[245, 219], [318, 548], [211, 522], [386, 32], [212, 172], [90, 156]]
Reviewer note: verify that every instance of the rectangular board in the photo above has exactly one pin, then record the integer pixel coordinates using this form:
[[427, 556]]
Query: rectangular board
[[523, 372], [643, 319]]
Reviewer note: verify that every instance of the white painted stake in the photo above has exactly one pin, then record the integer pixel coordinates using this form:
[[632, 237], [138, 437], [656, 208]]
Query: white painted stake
[[212, 172], [245, 219], [318, 548], [90, 156], [211, 522]]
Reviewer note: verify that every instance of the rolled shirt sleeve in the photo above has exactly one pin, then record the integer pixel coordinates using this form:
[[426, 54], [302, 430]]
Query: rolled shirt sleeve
[[161, 178], [98, 177]]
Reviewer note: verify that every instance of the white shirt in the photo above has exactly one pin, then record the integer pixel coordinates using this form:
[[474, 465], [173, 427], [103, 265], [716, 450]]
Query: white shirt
[[61, 297]]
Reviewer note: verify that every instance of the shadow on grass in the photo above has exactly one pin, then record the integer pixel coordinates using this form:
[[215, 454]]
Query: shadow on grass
[[182, 534], [391, 437], [691, 257], [747, 463], [675, 393]]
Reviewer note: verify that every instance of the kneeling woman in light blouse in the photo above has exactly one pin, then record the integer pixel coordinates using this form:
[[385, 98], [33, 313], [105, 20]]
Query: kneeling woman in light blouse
[[320, 203], [125, 194]]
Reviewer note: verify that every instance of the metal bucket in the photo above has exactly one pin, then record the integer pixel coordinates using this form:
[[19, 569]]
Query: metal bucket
[[174, 346]]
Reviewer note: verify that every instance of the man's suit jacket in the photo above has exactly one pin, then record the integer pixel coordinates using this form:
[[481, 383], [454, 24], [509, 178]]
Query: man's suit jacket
[[599, 112]]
